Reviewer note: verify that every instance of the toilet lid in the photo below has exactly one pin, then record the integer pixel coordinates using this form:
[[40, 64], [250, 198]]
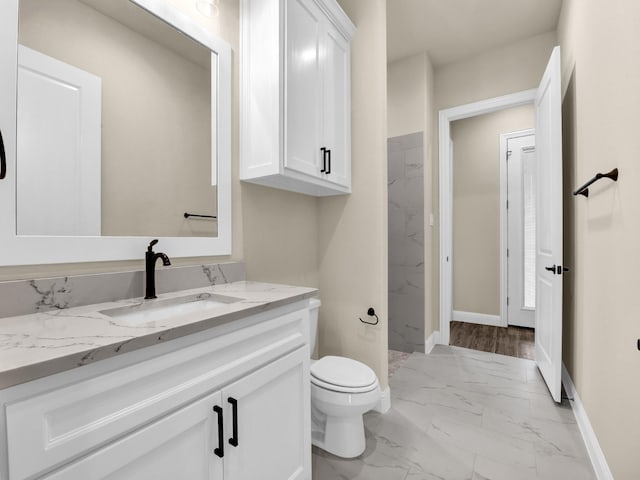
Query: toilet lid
[[343, 372]]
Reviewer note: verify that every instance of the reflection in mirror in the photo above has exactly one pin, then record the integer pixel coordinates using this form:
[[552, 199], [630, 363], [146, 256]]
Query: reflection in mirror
[[114, 123]]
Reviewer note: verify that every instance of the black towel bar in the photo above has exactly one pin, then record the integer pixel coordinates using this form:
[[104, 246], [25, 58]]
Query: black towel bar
[[187, 215], [584, 189]]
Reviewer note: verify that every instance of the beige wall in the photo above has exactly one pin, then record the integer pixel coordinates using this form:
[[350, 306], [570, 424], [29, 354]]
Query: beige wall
[[407, 95], [476, 206], [353, 228], [600, 43], [410, 100], [156, 122], [504, 70], [281, 236]]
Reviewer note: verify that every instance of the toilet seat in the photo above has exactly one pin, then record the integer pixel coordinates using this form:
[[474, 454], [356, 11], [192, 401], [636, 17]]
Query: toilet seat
[[341, 374], [340, 389]]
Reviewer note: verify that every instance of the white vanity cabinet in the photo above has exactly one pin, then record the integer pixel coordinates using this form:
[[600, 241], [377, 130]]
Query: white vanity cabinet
[[179, 445], [229, 403], [296, 95]]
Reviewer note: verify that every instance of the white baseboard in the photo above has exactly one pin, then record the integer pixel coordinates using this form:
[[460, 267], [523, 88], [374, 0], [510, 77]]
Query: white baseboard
[[384, 404], [431, 342], [481, 318], [596, 455]]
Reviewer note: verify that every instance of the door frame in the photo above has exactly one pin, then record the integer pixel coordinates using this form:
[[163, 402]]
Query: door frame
[[445, 167], [504, 224]]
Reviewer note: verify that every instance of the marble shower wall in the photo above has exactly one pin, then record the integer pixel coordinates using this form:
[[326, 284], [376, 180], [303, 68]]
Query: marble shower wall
[[406, 242], [23, 297]]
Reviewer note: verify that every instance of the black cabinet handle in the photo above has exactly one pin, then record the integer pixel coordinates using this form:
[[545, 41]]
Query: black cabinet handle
[[234, 439], [220, 450], [329, 169], [551, 269], [324, 160], [3, 159]]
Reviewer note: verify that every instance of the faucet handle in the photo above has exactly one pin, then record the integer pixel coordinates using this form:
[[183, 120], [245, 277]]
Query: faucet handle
[[153, 242]]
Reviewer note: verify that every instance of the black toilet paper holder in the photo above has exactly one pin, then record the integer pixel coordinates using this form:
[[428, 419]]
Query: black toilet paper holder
[[372, 313]]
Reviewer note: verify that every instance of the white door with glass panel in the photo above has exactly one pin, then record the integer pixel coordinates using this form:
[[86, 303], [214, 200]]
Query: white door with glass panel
[[521, 228]]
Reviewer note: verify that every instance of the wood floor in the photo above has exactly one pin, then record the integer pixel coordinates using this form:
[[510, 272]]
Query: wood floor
[[512, 341]]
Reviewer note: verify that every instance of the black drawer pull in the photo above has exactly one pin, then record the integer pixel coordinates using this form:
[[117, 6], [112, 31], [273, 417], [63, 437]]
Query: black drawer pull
[[329, 169], [3, 159], [234, 404], [220, 450]]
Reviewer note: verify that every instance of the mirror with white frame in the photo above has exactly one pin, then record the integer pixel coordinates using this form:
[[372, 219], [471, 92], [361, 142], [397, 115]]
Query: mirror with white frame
[[123, 126]]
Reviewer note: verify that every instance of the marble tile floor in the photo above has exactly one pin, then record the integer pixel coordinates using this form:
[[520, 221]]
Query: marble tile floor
[[396, 359], [459, 414]]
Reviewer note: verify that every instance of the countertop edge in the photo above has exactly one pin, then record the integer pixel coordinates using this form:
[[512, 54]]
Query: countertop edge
[[66, 362]]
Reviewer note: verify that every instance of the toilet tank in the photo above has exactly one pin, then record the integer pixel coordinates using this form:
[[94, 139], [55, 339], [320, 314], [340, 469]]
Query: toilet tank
[[314, 306]]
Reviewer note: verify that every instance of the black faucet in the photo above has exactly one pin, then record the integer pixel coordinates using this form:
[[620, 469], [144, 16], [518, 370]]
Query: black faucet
[[150, 258]]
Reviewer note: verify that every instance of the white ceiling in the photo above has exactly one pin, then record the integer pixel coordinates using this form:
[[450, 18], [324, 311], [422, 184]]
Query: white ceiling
[[450, 30]]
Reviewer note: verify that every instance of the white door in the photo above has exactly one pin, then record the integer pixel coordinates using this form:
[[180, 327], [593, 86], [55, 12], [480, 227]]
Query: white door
[[548, 316], [521, 228], [303, 88], [272, 438], [178, 446], [59, 137], [337, 107]]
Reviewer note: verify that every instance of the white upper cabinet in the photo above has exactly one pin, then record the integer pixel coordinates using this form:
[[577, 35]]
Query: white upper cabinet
[[296, 96]]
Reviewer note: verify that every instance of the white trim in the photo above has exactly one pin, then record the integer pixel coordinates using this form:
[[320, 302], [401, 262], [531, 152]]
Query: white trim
[[338, 17], [384, 404], [445, 189], [431, 342], [596, 455], [504, 232], [504, 181], [479, 318]]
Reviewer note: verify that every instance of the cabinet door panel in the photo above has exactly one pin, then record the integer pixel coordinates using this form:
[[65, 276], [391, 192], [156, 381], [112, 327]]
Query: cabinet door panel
[[273, 422], [337, 105], [303, 88], [178, 446]]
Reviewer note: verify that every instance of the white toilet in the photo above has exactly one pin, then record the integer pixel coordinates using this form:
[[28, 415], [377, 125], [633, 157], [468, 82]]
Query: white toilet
[[342, 390]]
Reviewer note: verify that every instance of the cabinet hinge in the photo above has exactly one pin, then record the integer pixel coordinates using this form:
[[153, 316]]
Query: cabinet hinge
[[507, 253], [507, 301], [508, 154]]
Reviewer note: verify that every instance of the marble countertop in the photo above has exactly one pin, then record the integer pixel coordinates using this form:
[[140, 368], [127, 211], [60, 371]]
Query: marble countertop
[[40, 344]]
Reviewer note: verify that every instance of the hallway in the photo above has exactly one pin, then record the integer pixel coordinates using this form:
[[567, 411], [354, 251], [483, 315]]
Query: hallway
[[461, 414]]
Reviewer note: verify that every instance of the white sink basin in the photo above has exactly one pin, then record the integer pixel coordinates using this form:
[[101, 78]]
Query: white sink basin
[[164, 309]]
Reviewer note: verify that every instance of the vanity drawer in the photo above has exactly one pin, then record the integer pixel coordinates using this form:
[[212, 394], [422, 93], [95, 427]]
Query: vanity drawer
[[62, 423]]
